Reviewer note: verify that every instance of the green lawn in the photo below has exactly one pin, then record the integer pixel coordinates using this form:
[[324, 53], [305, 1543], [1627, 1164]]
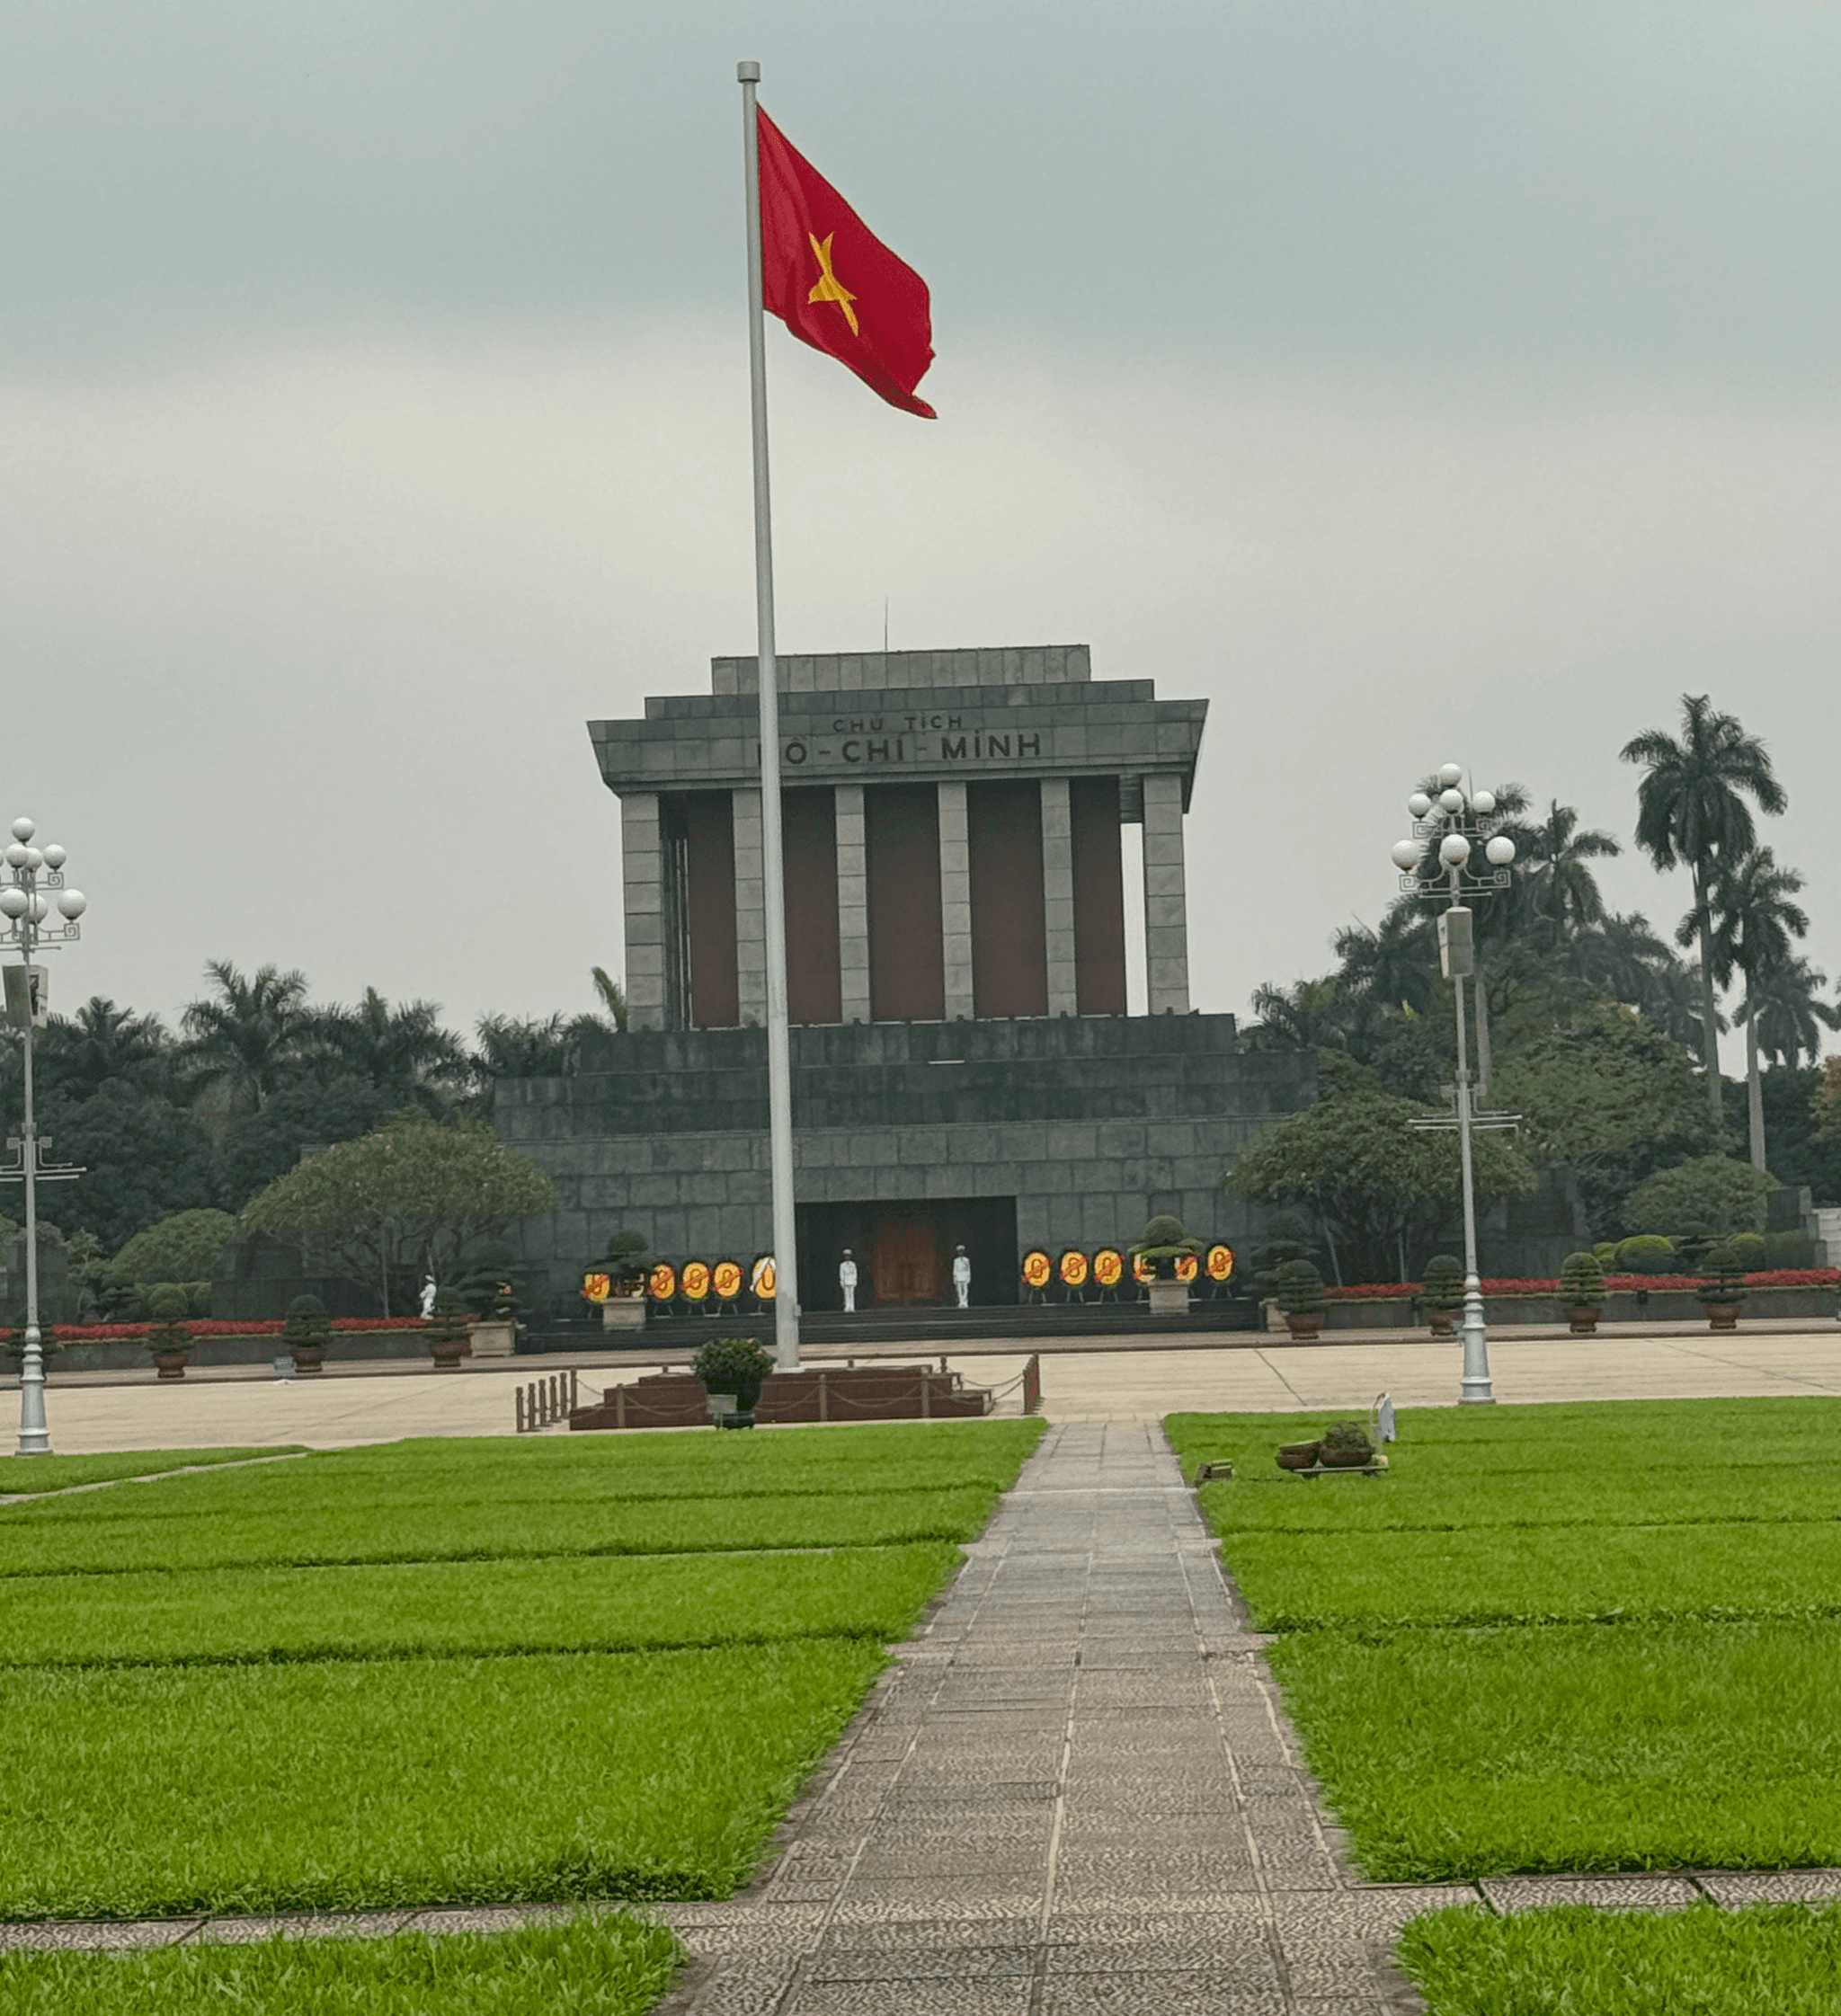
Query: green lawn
[[607, 1966], [56, 1473], [572, 1670], [1773, 1960], [1593, 1636]]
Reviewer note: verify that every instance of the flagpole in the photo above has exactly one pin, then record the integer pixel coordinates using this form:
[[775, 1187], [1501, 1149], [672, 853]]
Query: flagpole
[[779, 1061]]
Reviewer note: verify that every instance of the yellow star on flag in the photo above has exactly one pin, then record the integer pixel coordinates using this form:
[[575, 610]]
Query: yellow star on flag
[[829, 287]]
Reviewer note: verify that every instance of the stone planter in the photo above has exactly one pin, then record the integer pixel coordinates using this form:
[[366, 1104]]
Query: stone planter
[[308, 1358], [1345, 1458], [1298, 1455], [1168, 1298], [720, 1404], [170, 1364], [493, 1340], [1582, 1319], [448, 1352], [623, 1312], [1442, 1322], [1303, 1324], [1723, 1316]]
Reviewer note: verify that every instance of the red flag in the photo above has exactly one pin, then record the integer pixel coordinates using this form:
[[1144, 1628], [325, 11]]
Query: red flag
[[834, 284]]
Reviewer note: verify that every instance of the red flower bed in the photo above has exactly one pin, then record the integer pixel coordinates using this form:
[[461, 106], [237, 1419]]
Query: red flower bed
[[219, 1327], [1616, 1284]]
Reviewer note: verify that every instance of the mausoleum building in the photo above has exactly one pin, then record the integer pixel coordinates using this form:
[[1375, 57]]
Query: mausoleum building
[[965, 1068]]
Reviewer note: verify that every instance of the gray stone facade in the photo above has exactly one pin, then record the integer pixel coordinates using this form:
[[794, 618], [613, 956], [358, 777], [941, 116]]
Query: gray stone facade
[[1091, 1125]]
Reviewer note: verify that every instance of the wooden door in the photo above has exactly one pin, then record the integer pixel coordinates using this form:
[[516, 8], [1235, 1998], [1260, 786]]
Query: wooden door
[[906, 1261]]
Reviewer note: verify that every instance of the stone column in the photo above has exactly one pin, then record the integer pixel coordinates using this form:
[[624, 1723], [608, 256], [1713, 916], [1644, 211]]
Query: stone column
[[643, 890], [956, 900], [1058, 896], [751, 909], [1166, 916], [853, 904]]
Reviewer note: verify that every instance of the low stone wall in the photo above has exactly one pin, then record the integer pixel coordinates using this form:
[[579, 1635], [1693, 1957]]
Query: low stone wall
[[1666, 1305], [127, 1355]]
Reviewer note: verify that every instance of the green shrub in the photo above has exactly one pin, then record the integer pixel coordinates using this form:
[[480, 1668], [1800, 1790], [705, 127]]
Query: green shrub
[[1789, 1249], [1752, 1249], [1714, 1191], [1647, 1253], [737, 1365], [1163, 1242], [1299, 1288], [1606, 1254], [1443, 1284], [1581, 1281], [1347, 1438], [185, 1246], [628, 1258]]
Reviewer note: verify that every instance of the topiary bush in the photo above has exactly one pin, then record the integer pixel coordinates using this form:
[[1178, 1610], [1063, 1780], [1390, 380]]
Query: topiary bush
[[737, 1365], [1298, 1288], [1714, 1191], [1725, 1273], [1647, 1253], [168, 1302], [1443, 1282], [1789, 1249], [1581, 1281], [1163, 1242], [446, 1321], [1346, 1439], [1753, 1250], [308, 1327]]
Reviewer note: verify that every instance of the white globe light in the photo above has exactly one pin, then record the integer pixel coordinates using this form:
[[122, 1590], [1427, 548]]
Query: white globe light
[[1453, 850], [1450, 774], [1406, 855], [55, 855], [37, 907], [1482, 803], [34, 860], [1418, 805], [18, 853], [24, 828], [1452, 801], [1500, 850], [12, 900], [72, 905]]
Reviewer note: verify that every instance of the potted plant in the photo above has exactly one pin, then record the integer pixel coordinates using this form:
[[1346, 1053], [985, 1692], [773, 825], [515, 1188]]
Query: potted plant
[[170, 1338], [1298, 1289], [734, 1367], [446, 1329], [1581, 1291], [306, 1332], [626, 1262], [1163, 1242], [491, 1330], [1442, 1294], [1344, 1446], [1722, 1293]]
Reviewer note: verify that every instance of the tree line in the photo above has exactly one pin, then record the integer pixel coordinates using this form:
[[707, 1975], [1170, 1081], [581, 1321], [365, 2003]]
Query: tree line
[[205, 1114], [1591, 1025]]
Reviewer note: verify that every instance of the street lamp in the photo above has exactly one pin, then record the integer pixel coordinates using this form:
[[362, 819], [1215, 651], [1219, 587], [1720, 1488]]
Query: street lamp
[[30, 886], [1450, 828]]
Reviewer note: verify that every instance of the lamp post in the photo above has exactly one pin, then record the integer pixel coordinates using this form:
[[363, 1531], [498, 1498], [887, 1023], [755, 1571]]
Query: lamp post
[[1448, 827], [32, 884]]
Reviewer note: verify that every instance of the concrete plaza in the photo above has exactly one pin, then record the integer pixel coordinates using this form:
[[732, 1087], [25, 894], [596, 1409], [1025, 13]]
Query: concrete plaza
[[1101, 1380]]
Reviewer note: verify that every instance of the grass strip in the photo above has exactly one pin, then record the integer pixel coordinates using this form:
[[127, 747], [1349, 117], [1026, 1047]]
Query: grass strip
[[38, 1474], [158, 1791], [1573, 1961], [459, 1607], [1455, 1754], [1539, 1576], [607, 1965], [189, 1525]]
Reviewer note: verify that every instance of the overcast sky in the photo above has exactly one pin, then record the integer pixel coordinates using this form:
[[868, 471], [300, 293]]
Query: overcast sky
[[1416, 382]]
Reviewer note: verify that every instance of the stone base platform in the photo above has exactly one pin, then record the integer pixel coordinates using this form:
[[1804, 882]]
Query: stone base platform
[[881, 1392]]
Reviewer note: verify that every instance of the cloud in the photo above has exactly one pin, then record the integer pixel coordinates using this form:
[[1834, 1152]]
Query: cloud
[[305, 636]]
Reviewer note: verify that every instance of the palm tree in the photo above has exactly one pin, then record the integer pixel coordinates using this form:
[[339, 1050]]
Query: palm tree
[[1562, 888], [1754, 922], [1691, 813], [613, 996], [103, 1044], [1312, 1015], [1395, 966], [402, 1049], [248, 1040], [1621, 956], [1789, 1013]]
